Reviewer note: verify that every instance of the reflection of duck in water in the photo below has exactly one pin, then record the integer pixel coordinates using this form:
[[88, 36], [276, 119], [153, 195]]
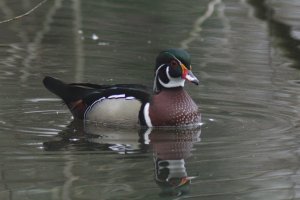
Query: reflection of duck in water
[[130, 104], [170, 148]]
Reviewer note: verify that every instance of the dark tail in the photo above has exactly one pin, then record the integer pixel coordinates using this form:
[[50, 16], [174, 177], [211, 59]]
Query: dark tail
[[66, 92], [71, 94], [57, 87]]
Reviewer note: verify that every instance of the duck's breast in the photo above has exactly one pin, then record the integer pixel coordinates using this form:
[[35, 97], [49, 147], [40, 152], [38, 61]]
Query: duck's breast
[[173, 108]]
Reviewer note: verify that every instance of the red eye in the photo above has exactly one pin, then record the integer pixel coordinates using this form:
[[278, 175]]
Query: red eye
[[173, 63]]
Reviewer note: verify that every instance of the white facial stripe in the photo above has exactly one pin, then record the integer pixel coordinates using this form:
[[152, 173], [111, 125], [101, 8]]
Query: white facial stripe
[[173, 82], [156, 77], [180, 63], [146, 115], [174, 57]]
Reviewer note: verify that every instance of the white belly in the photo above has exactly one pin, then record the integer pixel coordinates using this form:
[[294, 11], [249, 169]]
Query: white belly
[[114, 111]]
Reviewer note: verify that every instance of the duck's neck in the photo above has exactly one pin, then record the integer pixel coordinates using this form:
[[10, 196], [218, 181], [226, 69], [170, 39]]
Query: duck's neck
[[170, 90]]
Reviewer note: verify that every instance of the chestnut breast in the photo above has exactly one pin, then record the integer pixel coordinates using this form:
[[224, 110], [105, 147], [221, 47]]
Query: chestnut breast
[[173, 107]]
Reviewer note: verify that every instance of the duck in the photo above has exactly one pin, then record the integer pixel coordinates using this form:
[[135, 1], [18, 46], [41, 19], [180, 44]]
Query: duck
[[168, 105]]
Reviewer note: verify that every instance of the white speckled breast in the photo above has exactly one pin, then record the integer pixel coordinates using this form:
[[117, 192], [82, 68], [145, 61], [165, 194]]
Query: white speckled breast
[[114, 111], [173, 107]]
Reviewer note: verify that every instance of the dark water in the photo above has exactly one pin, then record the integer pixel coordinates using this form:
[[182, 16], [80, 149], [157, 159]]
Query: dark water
[[246, 54]]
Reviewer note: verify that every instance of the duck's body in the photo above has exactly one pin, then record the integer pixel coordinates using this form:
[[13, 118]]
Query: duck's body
[[132, 104]]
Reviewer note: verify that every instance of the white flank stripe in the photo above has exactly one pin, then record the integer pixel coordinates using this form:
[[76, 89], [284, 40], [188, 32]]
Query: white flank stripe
[[146, 115], [116, 96]]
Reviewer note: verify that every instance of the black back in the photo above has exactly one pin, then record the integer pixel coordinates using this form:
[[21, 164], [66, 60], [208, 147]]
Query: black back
[[90, 92]]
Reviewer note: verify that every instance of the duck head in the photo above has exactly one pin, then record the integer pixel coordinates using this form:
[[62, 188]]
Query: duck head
[[173, 67]]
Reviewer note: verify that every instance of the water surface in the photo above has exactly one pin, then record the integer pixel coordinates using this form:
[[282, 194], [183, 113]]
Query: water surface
[[245, 54]]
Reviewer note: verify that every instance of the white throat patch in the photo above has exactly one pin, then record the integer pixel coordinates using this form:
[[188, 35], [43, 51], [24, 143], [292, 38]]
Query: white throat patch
[[173, 82]]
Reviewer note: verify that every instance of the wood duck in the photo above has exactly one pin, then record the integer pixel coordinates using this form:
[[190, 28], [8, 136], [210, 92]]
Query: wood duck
[[170, 104]]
